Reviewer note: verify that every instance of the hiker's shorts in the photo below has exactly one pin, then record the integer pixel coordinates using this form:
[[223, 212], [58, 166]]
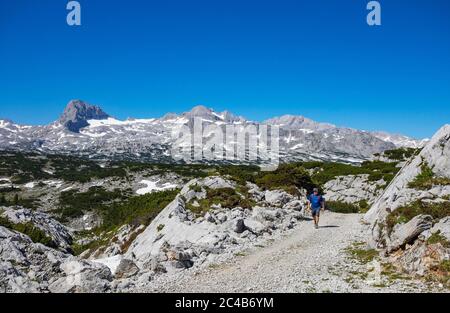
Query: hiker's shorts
[[315, 212]]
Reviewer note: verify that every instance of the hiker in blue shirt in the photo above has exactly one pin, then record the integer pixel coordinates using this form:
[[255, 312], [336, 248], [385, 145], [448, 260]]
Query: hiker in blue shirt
[[316, 204]]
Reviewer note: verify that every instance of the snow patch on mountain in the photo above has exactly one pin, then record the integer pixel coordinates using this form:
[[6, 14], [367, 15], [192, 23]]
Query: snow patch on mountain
[[154, 186]]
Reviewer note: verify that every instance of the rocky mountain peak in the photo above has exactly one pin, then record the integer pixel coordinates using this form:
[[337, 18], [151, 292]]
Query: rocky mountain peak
[[298, 122], [5, 121], [78, 112], [200, 111]]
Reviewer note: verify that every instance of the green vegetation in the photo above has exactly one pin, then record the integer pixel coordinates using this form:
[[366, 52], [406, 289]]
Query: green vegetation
[[137, 210], [445, 266], [427, 179], [324, 172], [342, 207], [195, 188], [438, 238], [19, 201], [74, 203], [401, 154], [358, 252], [160, 227], [27, 167], [363, 206], [286, 177], [226, 197], [35, 234], [440, 273], [404, 214], [239, 173]]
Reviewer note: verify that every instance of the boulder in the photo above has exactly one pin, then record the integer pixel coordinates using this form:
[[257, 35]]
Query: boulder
[[255, 226], [277, 197], [26, 266], [126, 269], [419, 258], [240, 226], [353, 189], [407, 233], [296, 205], [82, 276], [60, 234]]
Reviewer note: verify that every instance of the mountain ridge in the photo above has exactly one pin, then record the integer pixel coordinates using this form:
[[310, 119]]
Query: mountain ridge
[[86, 129]]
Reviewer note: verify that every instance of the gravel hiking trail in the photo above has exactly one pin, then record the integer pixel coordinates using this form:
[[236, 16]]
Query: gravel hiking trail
[[304, 260]]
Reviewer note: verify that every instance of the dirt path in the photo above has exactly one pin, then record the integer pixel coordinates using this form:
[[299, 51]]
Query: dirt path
[[307, 260]]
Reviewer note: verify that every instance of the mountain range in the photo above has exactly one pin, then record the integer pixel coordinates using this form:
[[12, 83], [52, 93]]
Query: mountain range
[[86, 130]]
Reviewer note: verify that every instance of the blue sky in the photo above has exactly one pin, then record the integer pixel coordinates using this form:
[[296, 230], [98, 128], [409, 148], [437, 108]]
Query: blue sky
[[257, 58]]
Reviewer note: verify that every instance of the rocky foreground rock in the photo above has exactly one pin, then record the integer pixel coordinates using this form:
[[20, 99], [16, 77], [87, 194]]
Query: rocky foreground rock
[[436, 154], [353, 189], [31, 267], [410, 245]]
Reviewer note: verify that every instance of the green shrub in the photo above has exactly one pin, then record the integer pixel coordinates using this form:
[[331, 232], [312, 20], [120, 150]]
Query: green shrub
[[35, 234], [137, 210], [375, 169], [438, 238], [73, 203], [406, 213], [363, 206], [341, 207], [285, 177], [401, 154], [427, 179], [196, 188], [239, 173], [226, 197]]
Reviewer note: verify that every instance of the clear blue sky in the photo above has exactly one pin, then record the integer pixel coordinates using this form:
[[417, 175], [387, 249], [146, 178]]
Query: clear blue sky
[[257, 58]]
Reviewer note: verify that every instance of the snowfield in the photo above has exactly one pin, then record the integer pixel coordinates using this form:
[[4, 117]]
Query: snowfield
[[153, 186]]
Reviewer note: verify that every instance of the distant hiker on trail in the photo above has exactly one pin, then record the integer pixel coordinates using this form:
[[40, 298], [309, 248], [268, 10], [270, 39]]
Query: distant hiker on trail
[[316, 203]]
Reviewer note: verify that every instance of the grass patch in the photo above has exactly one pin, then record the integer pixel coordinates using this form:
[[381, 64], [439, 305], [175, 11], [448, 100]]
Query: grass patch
[[427, 179], [438, 238], [357, 252]]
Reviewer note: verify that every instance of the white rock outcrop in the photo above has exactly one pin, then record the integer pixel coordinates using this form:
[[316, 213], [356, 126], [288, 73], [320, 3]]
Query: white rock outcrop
[[60, 234], [28, 267], [353, 189], [436, 154], [178, 239]]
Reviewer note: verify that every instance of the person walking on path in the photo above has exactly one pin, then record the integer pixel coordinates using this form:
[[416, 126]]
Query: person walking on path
[[316, 204]]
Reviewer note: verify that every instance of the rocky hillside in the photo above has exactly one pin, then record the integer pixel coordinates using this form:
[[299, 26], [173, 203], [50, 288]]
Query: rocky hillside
[[410, 220], [86, 130], [71, 224]]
